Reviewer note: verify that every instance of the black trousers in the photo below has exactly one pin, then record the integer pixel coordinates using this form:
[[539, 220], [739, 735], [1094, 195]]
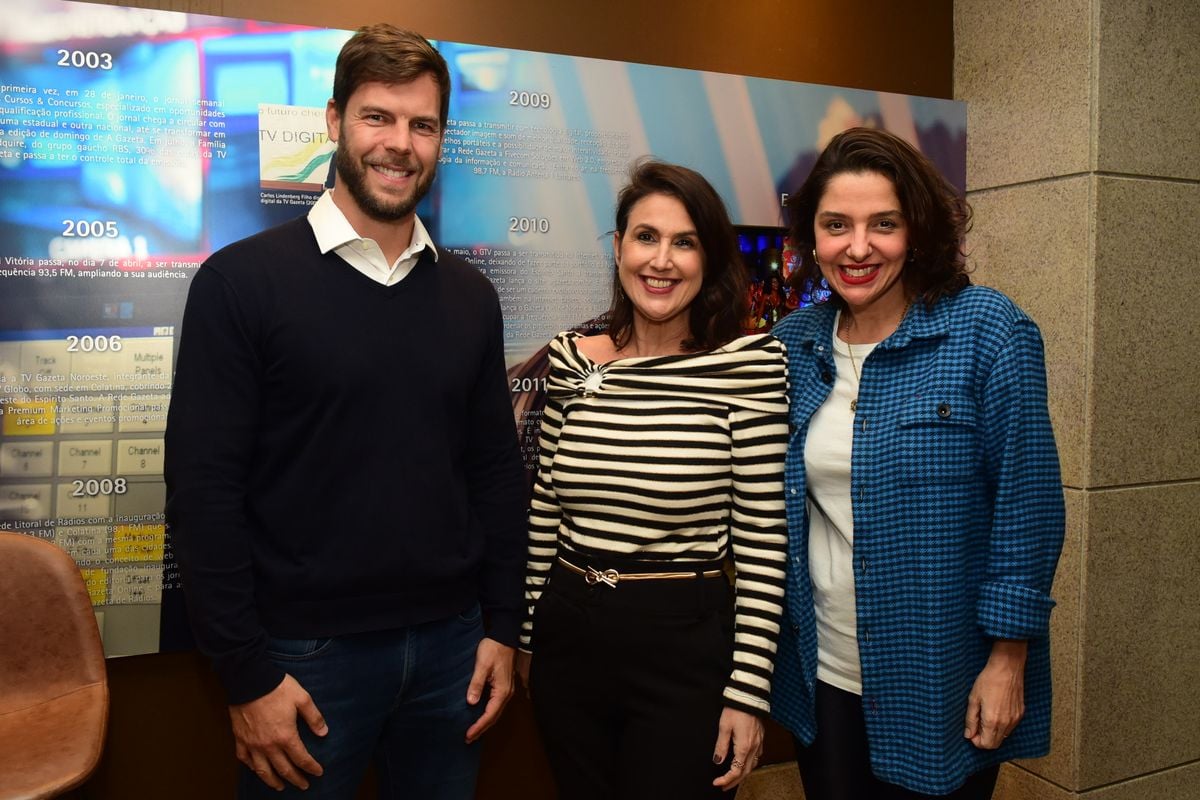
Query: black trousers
[[837, 765], [626, 683]]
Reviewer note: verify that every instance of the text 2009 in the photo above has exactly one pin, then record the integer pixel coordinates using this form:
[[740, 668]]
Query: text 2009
[[528, 99]]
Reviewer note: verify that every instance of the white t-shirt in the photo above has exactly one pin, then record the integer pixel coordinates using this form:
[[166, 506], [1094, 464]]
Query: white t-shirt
[[827, 454]]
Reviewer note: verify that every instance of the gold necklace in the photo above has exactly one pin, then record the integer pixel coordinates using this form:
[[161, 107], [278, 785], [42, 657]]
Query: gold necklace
[[857, 379], [854, 363]]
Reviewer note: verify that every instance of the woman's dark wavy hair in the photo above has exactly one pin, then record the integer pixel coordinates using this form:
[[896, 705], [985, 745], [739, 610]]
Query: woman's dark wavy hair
[[936, 215], [714, 317]]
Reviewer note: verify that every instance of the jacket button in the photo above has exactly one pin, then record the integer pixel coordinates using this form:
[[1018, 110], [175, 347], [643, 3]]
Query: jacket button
[[943, 410], [826, 377]]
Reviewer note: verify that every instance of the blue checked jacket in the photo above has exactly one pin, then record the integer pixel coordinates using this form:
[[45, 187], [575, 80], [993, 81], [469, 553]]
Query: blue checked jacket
[[958, 524]]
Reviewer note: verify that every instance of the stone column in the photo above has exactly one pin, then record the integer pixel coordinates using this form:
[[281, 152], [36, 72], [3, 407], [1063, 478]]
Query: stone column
[[1083, 167]]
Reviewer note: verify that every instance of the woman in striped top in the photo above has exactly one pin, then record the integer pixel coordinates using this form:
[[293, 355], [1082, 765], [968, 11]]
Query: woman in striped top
[[661, 457]]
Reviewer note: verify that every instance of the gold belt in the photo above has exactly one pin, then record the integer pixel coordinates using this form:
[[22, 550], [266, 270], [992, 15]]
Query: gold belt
[[610, 577]]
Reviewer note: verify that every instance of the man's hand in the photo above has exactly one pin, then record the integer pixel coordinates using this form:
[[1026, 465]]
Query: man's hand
[[494, 668], [268, 741], [997, 701], [744, 732]]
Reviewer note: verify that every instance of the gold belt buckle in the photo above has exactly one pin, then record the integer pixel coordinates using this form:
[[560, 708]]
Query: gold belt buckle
[[608, 577]]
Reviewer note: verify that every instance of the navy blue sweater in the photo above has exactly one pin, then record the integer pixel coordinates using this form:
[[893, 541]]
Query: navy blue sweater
[[341, 455]]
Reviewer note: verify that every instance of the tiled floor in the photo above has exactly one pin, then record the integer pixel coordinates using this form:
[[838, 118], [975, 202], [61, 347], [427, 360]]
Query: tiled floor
[[776, 782]]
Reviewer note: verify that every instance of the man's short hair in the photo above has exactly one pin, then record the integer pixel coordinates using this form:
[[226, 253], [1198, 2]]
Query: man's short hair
[[387, 54]]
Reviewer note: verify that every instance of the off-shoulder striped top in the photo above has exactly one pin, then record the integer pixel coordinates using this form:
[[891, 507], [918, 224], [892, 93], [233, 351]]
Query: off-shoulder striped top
[[676, 459]]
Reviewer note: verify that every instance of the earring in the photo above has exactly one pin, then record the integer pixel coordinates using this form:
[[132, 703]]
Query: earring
[[815, 261]]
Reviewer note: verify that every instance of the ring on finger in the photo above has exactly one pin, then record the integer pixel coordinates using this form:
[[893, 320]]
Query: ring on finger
[[737, 764]]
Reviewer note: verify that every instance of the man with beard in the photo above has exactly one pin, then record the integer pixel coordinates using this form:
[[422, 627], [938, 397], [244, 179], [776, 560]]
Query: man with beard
[[344, 487]]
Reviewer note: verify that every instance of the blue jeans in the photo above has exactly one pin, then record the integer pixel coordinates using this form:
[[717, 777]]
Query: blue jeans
[[398, 697]]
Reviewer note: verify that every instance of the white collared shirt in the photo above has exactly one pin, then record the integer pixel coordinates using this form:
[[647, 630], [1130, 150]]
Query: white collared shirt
[[334, 232]]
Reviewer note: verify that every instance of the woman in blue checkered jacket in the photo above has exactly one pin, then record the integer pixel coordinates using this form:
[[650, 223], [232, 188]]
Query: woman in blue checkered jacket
[[925, 508]]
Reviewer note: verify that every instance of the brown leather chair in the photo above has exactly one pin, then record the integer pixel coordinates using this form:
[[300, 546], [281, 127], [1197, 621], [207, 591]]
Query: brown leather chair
[[53, 684]]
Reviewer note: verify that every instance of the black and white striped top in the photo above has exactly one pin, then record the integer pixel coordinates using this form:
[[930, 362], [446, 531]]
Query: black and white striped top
[[676, 459]]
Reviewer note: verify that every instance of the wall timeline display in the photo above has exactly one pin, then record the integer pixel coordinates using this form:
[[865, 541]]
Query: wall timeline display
[[135, 142]]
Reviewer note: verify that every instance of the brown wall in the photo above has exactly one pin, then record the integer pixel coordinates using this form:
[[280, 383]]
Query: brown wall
[[867, 44], [168, 732]]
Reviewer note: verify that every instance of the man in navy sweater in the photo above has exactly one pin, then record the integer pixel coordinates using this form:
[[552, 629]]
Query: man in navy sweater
[[344, 486]]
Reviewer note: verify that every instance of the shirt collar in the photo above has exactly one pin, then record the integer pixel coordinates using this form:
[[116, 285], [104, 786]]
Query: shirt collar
[[919, 323], [332, 229]]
